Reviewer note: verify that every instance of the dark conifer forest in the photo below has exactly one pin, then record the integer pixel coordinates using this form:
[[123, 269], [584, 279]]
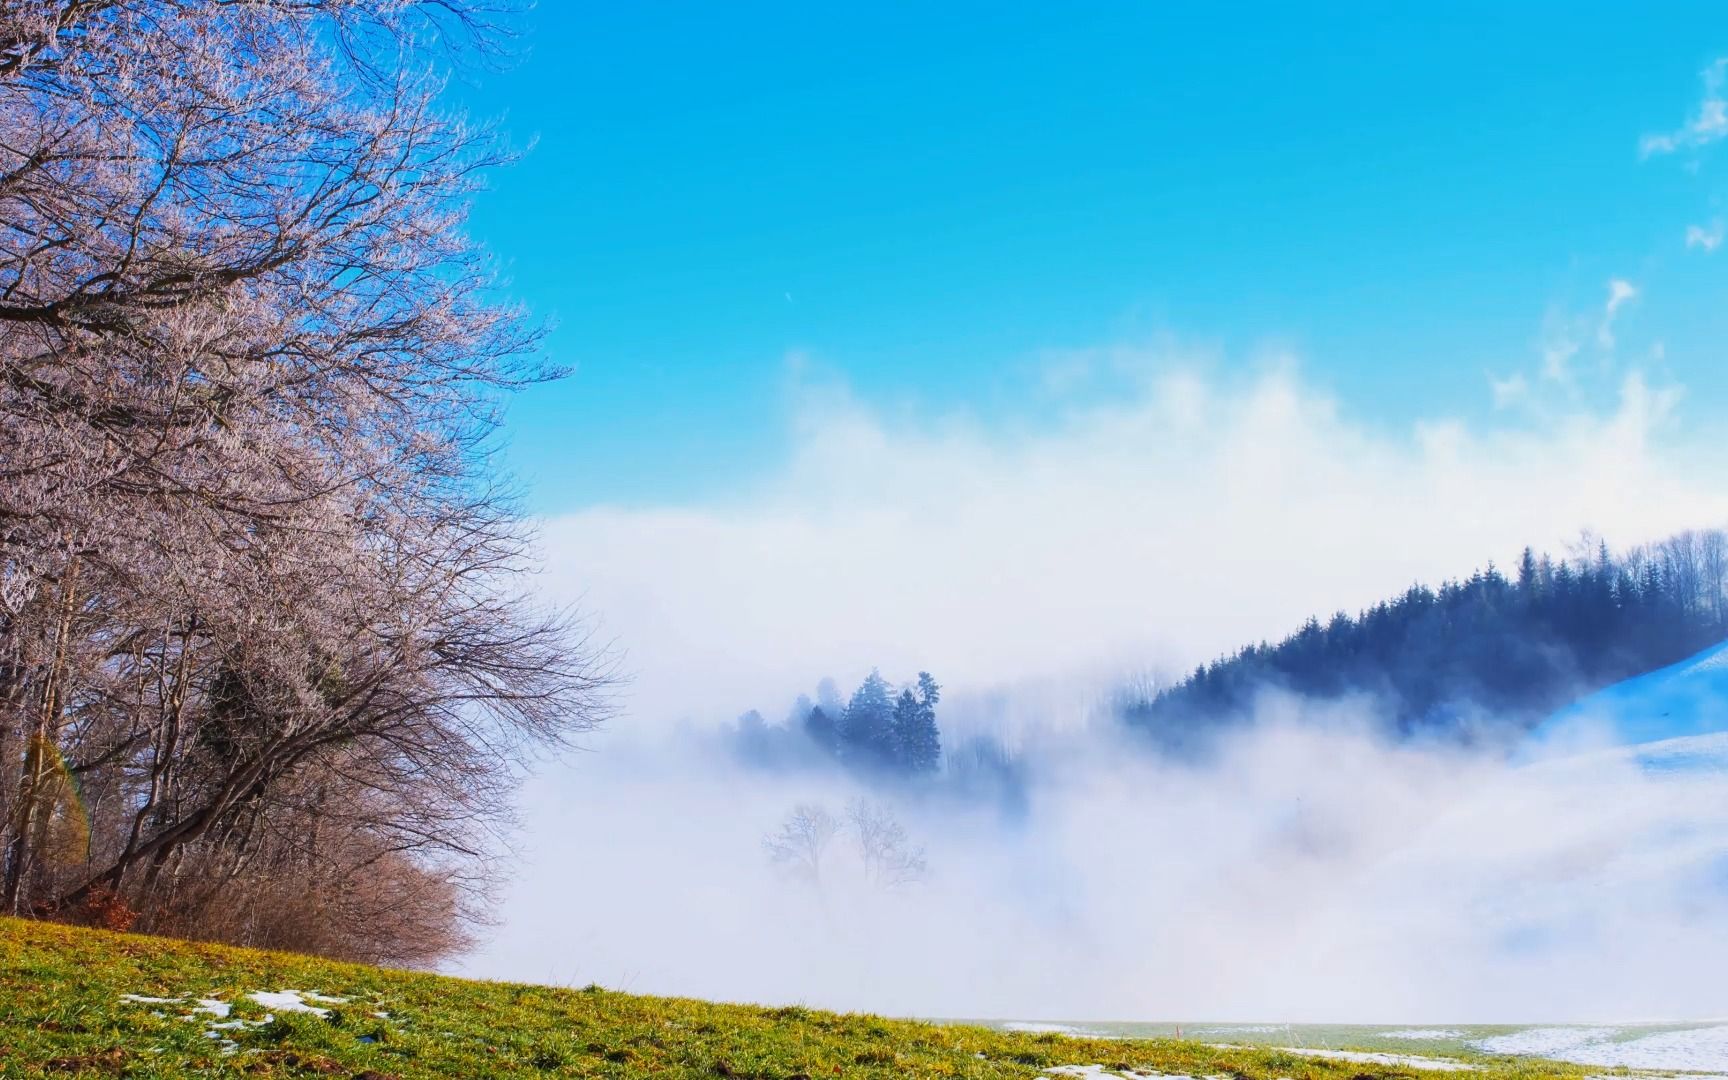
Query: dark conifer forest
[[1482, 658]]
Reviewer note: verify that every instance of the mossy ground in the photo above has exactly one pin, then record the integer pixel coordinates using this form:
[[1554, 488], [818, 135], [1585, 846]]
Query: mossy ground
[[62, 1013]]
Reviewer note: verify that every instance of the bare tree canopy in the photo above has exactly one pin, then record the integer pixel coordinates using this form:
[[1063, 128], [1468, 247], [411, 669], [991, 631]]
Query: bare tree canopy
[[884, 850], [886, 857], [800, 843], [259, 619]]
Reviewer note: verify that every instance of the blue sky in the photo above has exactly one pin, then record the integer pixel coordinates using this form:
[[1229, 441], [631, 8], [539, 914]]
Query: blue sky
[[930, 205]]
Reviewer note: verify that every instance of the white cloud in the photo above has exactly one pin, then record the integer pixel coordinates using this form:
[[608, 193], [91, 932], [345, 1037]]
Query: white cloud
[[1509, 391], [1708, 125], [1559, 346], [1168, 525], [1620, 293], [1707, 237]]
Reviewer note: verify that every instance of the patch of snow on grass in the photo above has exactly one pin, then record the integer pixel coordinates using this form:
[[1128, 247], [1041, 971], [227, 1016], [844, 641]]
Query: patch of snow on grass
[[1362, 1057], [293, 1001], [1037, 1027], [278, 1000], [1105, 1074], [223, 1045], [323, 999], [1422, 1033]]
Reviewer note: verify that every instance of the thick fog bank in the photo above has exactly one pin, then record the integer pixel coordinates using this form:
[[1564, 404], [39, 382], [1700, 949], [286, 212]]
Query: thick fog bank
[[1307, 873], [1163, 526]]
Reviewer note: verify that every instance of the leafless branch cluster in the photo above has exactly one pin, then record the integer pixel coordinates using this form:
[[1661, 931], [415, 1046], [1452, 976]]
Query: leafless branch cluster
[[884, 850], [265, 673], [801, 842], [886, 856]]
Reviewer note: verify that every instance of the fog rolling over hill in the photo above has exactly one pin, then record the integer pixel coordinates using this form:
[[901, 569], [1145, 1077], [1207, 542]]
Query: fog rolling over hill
[[1293, 856], [1309, 869]]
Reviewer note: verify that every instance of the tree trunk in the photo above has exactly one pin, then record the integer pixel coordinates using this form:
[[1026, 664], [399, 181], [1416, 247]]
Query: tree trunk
[[40, 752]]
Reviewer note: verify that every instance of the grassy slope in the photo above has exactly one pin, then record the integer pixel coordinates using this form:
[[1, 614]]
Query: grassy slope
[[61, 1013]]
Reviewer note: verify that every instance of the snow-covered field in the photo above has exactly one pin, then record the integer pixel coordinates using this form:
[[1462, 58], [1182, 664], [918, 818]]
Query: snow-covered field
[[1701, 1048], [1669, 1048]]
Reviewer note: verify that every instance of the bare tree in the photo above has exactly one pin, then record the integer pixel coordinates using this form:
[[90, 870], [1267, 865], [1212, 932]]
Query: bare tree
[[250, 527], [1682, 563], [801, 841], [887, 855], [1713, 561]]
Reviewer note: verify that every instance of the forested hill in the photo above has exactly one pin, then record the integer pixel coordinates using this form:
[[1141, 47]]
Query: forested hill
[[1481, 658]]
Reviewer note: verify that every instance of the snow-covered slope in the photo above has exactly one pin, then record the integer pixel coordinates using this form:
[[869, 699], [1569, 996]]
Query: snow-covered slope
[[1677, 702]]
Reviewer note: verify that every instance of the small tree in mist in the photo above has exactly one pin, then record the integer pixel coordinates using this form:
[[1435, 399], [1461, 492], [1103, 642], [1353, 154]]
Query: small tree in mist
[[799, 844], [821, 730], [889, 859], [753, 734], [828, 698]]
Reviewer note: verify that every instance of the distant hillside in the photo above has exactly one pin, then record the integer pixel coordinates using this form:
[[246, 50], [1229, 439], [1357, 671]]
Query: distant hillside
[[92, 1003], [1486, 657]]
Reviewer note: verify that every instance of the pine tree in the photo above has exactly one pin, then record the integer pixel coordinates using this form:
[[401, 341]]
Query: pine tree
[[828, 697], [1527, 573], [753, 736], [822, 731], [917, 741], [905, 721], [867, 726]]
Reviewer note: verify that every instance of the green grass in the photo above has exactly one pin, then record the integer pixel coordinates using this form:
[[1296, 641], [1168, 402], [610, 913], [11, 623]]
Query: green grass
[[61, 1014]]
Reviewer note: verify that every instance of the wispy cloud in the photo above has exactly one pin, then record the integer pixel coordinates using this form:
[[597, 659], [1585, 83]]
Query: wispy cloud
[[1508, 391], [1620, 293], [1709, 124], [1557, 353], [1563, 335], [1705, 237]]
